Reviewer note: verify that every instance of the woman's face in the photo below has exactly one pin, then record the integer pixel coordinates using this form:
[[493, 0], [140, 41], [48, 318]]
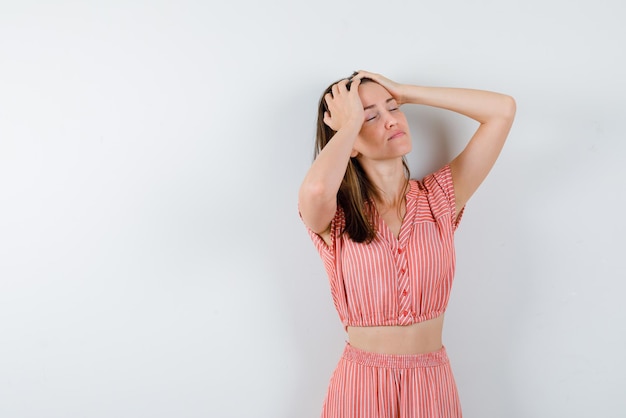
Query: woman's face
[[385, 131]]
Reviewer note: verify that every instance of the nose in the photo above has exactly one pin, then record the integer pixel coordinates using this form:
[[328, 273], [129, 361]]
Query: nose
[[390, 121]]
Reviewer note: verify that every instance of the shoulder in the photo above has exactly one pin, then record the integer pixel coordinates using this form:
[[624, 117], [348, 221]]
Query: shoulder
[[439, 178], [438, 189], [438, 182], [325, 240]]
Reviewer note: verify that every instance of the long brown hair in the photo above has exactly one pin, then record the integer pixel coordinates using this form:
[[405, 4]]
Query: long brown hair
[[356, 193]]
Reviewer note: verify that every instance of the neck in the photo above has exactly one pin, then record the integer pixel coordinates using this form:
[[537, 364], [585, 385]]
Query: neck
[[390, 180]]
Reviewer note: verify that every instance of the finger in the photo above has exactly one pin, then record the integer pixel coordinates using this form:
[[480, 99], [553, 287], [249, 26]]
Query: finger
[[327, 119], [328, 97], [341, 85], [357, 75], [366, 74], [355, 83]]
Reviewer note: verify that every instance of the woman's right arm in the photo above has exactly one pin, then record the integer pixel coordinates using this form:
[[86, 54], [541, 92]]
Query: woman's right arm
[[317, 198]]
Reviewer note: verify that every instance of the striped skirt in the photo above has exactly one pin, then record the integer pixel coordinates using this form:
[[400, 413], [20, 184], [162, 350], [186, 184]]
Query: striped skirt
[[372, 385]]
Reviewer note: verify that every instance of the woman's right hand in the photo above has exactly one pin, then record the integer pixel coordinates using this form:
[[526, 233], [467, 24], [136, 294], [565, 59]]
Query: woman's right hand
[[344, 106]]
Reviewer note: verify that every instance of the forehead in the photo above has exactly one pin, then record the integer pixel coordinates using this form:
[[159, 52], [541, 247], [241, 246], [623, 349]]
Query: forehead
[[373, 93]]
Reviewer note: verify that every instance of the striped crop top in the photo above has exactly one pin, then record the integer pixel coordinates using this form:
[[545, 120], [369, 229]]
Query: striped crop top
[[396, 281]]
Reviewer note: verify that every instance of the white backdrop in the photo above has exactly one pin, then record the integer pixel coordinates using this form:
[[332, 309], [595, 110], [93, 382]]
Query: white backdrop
[[152, 262]]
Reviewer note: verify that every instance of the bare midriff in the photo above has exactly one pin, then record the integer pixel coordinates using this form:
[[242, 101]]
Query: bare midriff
[[418, 338]]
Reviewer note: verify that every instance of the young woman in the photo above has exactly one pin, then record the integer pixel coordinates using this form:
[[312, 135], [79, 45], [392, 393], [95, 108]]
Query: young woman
[[387, 241]]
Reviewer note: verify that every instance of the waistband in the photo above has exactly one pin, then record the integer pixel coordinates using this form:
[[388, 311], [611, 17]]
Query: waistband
[[395, 361]]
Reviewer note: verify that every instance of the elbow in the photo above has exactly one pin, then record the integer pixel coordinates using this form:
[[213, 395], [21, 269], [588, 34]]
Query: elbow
[[316, 210], [509, 107], [313, 192], [501, 110]]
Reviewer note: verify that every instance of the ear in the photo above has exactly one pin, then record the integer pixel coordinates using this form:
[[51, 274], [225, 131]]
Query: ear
[[354, 153]]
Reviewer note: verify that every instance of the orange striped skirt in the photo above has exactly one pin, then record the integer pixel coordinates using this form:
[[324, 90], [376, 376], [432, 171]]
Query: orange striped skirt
[[373, 385]]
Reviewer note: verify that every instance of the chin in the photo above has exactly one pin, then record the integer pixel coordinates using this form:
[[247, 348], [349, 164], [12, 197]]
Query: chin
[[407, 149]]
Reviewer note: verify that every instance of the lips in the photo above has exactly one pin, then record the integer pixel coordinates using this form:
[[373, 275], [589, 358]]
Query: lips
[[395, 135]]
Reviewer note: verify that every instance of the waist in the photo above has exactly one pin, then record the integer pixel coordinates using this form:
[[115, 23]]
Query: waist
[[417, 338], [395, 361]]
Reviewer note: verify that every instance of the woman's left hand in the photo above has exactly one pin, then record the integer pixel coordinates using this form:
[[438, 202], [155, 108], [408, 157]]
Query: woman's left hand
[[395, 89]]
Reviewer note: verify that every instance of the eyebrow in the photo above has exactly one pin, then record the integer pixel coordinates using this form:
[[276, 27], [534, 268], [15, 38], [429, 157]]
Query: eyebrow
[[373, 105]]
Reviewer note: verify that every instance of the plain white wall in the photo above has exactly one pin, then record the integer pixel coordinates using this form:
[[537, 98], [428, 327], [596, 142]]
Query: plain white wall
[[152, 262]]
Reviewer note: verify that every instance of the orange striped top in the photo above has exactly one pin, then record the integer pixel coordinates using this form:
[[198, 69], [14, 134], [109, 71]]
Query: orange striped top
[[396, 281]]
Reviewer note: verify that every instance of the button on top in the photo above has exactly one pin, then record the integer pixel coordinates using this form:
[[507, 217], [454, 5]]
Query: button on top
[[399, 250], [405, 292]]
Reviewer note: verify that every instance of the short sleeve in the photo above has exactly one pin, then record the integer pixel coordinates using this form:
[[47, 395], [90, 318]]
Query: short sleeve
[[327, 252], [441, 190]]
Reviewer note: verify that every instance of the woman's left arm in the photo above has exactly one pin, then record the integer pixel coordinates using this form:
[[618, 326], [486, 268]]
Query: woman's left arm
[[494, 111]]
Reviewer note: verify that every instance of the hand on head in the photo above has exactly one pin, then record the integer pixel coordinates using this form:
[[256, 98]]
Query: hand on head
[[395, 89], [343, 106]]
